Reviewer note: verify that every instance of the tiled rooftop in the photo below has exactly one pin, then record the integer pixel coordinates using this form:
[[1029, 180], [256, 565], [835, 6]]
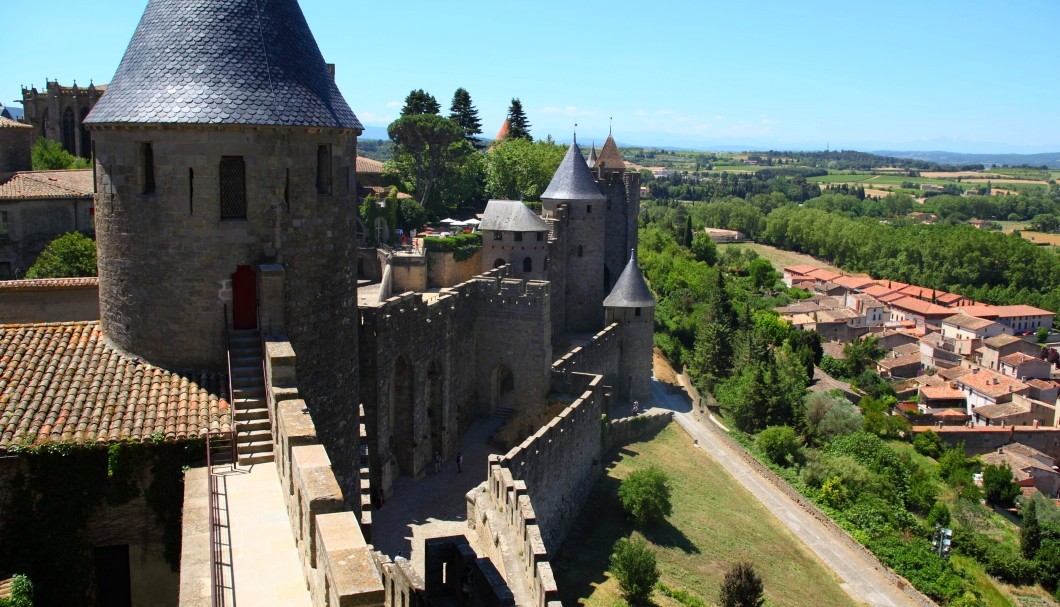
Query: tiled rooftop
[[992, 384], [1018, 358], [609, 156], [61, 382], [941, 393], [7, 123], [967, 322], [49, 283], [223, 62], [47, 184], [367, 165], [1000, 341]]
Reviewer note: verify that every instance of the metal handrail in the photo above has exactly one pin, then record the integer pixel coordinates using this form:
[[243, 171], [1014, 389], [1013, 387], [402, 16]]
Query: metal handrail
[[216, 598], [231, 392]]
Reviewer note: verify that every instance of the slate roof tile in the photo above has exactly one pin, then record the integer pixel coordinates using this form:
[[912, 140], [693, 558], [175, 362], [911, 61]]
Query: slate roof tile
[[630, 290], [61, 382], [223, 62], [573, 180]]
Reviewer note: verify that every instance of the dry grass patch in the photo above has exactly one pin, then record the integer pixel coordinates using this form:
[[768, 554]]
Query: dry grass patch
[[715, 522]]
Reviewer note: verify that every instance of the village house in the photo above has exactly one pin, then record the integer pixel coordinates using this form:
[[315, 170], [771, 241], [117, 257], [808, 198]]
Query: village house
[[936, 352], [1030, 467], [983, 387], [997, 347], [966, 333], [1024, 366], [927, 316], [1020, 411]]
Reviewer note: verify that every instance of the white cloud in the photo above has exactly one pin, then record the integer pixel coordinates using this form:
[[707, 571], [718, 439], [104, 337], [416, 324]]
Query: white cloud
[[376, 118], [393, 104]]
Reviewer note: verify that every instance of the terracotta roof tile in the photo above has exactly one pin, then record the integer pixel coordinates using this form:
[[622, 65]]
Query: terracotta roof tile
[[47, 184], [965, 321], [799, 269], [61, 382], [954, 373], [992, 384], [1000, 341], [7, 123], [1018, 358], [49, 283], [943, 392], [918, 306], [610, 157], [1012, 311], [367, 165]]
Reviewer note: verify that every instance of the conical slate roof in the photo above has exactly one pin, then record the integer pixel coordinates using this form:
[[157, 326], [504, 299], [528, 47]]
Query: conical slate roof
[[591, 161], [630, 291], [610, 157], [223, 62], [573, 180]]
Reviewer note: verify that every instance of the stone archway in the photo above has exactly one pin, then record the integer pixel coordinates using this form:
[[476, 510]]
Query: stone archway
[[502, 388], [436, 407], [402, 419]]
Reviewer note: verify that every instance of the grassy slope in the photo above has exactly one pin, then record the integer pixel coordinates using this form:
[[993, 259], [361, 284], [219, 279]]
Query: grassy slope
[[781, 258], [715, 522]]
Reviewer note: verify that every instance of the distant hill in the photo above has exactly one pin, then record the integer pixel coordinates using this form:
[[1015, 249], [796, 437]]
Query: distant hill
[[1049, 159]]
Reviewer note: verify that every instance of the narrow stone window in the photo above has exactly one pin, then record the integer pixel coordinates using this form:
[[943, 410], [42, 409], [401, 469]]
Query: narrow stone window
[[588, 209], [540, 236], [579, 250], [636, 312], [287, 188], [518, 237], [147, 169], [5, 228], [5, 270], [233, 184], [528, 265], [191, 191], [324, 170], [498, 235]]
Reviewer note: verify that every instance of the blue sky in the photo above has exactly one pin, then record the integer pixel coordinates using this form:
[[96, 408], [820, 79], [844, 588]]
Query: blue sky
[[929, 75]]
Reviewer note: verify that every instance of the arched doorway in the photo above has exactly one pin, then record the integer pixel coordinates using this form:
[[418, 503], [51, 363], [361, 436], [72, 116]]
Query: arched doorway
[[502, 388], [436, 407], [402, 421], [499, 262]]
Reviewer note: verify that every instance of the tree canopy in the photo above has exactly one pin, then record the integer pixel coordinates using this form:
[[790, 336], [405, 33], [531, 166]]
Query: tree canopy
[[518, 125], [420, 101], [71, 255], [48, 155], [518, 169], [464, 113], [425, 143]]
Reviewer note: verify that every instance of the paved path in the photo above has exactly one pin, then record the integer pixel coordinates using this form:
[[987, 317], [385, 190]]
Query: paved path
[[860, 579], [434, 506], [264, 559]]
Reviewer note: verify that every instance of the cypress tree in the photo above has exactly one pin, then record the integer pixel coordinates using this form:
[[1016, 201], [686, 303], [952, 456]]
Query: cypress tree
[[465, 114], [518, 125]]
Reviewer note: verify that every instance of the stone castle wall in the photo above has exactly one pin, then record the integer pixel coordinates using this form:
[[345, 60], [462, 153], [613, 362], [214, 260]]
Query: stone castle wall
[[600, 356], [16, 145], [622, 190], [49, 300], [443, 270], [984, 439]]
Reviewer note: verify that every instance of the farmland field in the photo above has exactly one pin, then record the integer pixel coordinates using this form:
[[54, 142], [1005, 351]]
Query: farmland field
[[781, 258]]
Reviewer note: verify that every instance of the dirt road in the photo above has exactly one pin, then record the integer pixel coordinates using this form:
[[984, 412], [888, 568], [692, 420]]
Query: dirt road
[[860, 575]]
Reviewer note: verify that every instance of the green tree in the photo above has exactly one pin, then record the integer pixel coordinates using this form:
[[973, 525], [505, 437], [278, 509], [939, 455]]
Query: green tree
[[998, 485], [48, 155], [862, 352], [827, 416], [420, 101], [1030, 529], [781, 444], [70, 255], [704, 249], [519, 169], [462, 112], [686, 239], [645, 496], [423, 147], [633, 565], [712, 356], [741, 587], [1041, 335], [518, 125], [762, 274], [928, 443]]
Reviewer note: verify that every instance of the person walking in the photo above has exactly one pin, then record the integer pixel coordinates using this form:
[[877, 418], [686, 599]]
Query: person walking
[[437, 461], [459, 462]]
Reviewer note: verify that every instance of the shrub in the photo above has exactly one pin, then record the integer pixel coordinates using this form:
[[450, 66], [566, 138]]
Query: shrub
[[928, 443], [999, 486], [633, 565], [741, 587], [781, 445], [70, 255], [463, 246], [645, 496], [49, 155], [939, 515], [21, 592], [834, 494]]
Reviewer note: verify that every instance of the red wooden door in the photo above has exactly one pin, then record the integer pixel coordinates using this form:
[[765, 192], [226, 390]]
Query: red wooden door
[[244, 299]]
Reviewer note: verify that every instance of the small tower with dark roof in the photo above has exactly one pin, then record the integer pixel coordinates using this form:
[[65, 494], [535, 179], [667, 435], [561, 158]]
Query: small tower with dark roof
[[222, 144], [632, 306], [573, 189], [622, 189], [591, 161]]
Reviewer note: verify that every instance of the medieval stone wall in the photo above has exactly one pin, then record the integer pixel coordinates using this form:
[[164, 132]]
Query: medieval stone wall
[[600, 356], [16, 145], [33, 223], [980, 440], [443, 270], [32, 301], [623, 204]]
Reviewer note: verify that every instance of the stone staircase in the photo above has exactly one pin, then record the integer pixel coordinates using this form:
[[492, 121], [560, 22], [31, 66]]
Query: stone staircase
[[499, 440], [253, 428]]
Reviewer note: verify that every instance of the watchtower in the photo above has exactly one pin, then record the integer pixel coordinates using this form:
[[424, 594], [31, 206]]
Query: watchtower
[[622, 190], [631, 305]]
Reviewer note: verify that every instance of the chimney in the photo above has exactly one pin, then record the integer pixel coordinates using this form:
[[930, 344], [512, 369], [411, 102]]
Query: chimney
[[331, 70], [1001, 450]]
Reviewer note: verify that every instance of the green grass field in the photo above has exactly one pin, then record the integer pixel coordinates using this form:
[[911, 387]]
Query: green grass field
[[715, 522]]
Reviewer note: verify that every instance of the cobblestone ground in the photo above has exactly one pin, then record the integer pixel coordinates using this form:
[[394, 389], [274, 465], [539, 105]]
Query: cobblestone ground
[[434, 505]]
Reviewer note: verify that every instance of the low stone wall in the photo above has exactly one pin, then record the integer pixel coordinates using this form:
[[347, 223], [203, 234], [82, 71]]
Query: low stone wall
[[443, 270], [626, 430], [336, 558], [49, 300], [984, 439], [599, 356], [409, 273]]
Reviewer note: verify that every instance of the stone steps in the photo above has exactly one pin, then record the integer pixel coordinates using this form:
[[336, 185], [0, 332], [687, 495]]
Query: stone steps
[[253, 427]]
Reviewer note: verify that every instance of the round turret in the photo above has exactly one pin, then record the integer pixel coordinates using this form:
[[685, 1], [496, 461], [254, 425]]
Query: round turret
[[632, 306]]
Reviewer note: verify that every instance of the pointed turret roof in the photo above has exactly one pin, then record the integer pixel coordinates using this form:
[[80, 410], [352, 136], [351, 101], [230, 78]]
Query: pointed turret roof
[[591, 162], [224, 62], [610, 157], [506, 129], [630, 290], [573, 180]]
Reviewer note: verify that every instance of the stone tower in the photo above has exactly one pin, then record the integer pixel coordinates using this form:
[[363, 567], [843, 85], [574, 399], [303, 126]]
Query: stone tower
[[574, 188], [58, 113], [223, 143], [622, 190], [632, 306]]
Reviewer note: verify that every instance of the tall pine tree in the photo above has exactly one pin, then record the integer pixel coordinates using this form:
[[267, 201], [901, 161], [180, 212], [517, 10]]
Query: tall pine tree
[[518, 125], [464, 113], [420, 101]]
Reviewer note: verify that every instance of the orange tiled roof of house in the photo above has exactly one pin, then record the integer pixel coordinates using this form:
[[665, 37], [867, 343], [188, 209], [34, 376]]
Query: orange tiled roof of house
[[802, 269], [889, 297], [47, 184], [824, 275], [62, 382], [965, 321], [1012, 311], [992, 384], [49, 283], [1021, 461], [919, 306], [954, 372], [902, 360], [948, 299], [367, 165], [7, 123], [1041, 384], [853, 282], [980, 311], [1000, 341], [1018, 358], [609, 156], [941, 393], [877, 290]]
